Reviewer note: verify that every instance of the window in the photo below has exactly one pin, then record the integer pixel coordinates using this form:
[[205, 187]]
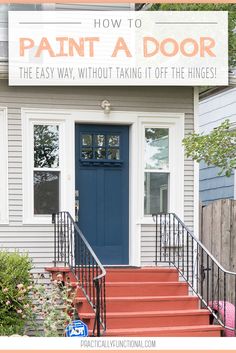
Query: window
[[3, 169], [48, 183], [156, 170], [95, 147], [46, 177]]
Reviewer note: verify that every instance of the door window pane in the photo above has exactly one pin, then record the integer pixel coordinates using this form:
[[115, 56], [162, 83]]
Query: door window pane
[[114, 140], [86, 140], [156, 148], [100, 146], [100, 153], [46, 192], [46, 146], [155, 193], [100, 140], [87, 153], [114, 153]]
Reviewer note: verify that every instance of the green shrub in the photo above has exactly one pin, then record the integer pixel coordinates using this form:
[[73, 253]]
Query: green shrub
[[15, 286]]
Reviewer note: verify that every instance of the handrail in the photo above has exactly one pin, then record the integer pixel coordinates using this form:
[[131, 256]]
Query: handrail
[[73, 250], [89, 248], [176, 245], [206, 250]]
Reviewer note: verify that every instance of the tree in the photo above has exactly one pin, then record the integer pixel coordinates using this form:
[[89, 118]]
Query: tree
[[218, 148], [231, 8]]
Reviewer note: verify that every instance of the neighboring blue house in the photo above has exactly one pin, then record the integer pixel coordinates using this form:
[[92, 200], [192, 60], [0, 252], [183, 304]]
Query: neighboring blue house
[[217, 105]]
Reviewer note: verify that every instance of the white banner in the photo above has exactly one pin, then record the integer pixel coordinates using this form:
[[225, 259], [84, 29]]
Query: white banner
[[99, 344], [118, 48]]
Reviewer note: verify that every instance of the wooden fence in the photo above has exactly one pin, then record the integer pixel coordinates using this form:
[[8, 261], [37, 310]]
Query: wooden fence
[[218, 231], [218, 234]]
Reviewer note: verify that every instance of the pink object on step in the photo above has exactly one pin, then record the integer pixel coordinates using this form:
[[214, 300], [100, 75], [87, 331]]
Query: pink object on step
[[229, 309]]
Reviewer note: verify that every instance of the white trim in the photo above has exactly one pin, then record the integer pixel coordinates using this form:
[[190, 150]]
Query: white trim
[[196, 166], [29, 118], [135, 120], [4, 217], [175, 124]]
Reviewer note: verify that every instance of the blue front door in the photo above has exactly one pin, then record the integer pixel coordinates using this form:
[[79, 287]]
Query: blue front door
[[102, 181]]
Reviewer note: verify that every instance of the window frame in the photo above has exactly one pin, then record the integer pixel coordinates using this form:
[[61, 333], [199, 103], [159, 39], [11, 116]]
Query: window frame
[[175, 169], [29, 119], [48, 169], [157, 170], [4, 210]]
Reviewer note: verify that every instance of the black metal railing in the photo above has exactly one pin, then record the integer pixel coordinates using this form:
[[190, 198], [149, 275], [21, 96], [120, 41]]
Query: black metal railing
[[72, 249], [176, 246]]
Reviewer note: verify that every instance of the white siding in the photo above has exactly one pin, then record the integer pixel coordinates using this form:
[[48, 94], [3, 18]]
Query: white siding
[[38, 240]]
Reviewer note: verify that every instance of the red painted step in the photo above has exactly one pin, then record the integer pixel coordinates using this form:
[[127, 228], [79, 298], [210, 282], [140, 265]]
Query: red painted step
[[125, 274], [180, 331], [145, 288], [145, 303], [152, 318], [146, 274]]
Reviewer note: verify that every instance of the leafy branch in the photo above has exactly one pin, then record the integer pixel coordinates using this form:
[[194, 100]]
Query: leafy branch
[[218, 148]]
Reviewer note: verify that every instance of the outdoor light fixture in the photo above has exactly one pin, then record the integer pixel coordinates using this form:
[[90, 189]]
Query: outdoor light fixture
[[106, 106]]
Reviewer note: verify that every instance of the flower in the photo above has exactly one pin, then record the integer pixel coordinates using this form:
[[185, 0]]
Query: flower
[[26, 306], [19, 311], [8, 302], [20, 285], [29, 287], [5, 290]]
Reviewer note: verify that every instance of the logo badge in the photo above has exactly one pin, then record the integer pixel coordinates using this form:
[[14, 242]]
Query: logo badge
[[77, 329]]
